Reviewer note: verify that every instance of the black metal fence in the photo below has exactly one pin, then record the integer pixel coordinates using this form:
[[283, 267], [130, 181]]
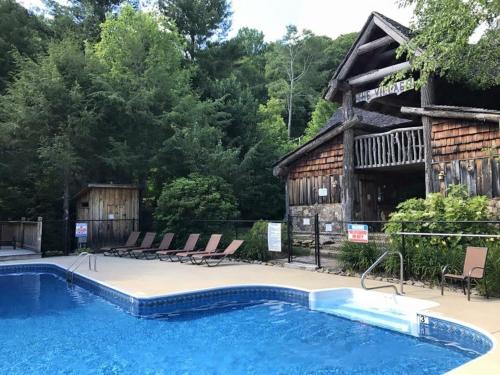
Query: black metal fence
[[59, 237], [309, 240]]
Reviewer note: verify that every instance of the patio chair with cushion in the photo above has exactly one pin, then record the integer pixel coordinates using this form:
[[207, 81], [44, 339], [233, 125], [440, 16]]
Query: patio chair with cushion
[[131, 242], [211, 247], [474, 267], [217, 257], [189, 246], [151, 252]]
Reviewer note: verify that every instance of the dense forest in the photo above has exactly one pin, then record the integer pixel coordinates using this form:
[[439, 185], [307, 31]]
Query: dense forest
[[101, 91]]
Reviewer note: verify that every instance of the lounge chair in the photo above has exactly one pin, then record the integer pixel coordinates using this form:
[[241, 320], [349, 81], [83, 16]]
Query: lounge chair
[[151, 252], [146, 243], [474, 265], [217, 257], [211, 247], [189, 246], [131, 242]]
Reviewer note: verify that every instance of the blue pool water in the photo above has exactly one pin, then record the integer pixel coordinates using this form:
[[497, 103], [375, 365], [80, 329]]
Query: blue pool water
[[47, 327]]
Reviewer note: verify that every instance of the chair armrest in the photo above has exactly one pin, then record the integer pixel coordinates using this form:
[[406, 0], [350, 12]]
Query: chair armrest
[[443, 270], [472, 270]]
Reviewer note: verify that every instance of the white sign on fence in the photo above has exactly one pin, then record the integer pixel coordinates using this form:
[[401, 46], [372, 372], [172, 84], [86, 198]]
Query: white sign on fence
[[306, 221], [328, 228], [274, 236], [80, 230], [357, 233], [322, 192]]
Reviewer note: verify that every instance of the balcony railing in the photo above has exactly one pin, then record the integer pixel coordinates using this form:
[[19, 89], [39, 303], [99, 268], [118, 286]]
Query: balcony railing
[[396, 147]]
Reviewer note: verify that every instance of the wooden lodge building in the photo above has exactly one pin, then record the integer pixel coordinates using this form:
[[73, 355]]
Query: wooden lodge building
[[387, 144]]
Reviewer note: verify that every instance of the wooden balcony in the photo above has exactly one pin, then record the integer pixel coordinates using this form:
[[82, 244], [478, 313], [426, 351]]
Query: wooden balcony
[[396, 147]]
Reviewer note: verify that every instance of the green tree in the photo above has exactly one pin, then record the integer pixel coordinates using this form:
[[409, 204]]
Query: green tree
[[48, 115], [81, 18], [441, 44], [198, 20], [21, 32], [298, 69], [322, 112], [140, 81], [195, 197]]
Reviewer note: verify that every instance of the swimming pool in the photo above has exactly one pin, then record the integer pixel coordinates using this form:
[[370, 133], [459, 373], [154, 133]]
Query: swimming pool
[[48, 327]]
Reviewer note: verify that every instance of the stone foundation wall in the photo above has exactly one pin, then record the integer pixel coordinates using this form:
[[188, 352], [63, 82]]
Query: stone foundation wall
[[494, 207]]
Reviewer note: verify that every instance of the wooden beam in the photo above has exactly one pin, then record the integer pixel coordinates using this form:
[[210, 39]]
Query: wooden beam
[[376, 74], [389, 30], [381, 58], [348, 159], [427, 97], [352, 56], [377, 43], [483, 117]]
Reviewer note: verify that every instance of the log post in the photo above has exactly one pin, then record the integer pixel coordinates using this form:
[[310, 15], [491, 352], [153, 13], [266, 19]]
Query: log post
[[38, 242], [427, 97], [348, 162]]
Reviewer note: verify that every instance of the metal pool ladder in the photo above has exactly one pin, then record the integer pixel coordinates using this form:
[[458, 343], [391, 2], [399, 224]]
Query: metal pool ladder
[[376, 263], [70, 271]]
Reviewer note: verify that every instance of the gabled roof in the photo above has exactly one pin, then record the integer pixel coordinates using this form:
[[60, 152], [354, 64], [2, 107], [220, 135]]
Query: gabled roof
[[335, 126], [369, 118], [401, 34]]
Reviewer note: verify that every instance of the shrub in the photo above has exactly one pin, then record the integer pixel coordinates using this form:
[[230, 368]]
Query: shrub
[[358, 256], [196, 197], [255, 246], [425, 255]]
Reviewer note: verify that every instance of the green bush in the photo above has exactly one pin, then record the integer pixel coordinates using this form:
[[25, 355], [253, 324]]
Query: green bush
[[185, 200], [438, 213], [255, 246], [358, 256]]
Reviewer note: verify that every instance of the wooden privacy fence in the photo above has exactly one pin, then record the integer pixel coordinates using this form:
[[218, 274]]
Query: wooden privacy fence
[[396, 147], [22, 233]]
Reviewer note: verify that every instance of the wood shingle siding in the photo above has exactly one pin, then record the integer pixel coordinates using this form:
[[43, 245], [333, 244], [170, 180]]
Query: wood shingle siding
[[322, 168], [463, 152], [461, 140], [326, 160]]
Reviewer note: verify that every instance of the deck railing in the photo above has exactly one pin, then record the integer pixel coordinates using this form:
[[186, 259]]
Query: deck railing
[[22, 233], [393, 148]]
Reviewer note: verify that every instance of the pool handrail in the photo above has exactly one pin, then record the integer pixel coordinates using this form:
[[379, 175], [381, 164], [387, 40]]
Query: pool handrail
[[70, 271], [376, 263]]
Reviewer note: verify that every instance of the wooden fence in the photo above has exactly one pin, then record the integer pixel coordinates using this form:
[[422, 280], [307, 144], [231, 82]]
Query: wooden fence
[[396, 147], [23, 234]]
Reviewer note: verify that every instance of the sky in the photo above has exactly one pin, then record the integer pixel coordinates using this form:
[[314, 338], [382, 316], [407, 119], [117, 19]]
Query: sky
[[323, 17]]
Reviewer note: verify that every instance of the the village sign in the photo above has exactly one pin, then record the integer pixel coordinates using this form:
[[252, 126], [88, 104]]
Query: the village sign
[[395, 88]]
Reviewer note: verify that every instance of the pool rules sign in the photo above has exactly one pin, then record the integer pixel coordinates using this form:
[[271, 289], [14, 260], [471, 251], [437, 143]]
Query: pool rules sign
[[357, 233], [274, 236]]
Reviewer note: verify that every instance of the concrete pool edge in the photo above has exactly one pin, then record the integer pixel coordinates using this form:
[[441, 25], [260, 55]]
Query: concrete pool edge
[[128, 298]]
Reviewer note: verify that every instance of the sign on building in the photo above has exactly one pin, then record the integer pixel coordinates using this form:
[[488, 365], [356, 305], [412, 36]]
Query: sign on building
[[357, 233], [395, 88], [81, 230], [274, 236]]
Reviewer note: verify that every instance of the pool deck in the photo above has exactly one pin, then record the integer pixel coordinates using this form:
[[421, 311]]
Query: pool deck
[[143, 278]]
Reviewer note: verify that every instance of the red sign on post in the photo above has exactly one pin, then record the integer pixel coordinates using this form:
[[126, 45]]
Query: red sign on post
[[357, 233]]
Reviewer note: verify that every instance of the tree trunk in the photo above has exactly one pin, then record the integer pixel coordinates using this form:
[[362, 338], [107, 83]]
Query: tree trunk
[[66, 211], [290, 105]]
